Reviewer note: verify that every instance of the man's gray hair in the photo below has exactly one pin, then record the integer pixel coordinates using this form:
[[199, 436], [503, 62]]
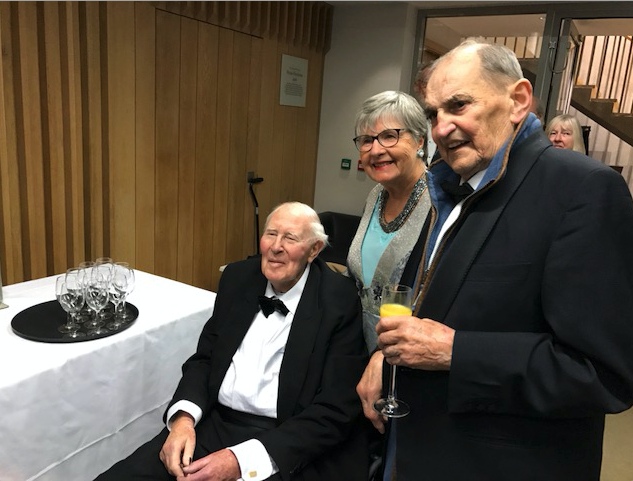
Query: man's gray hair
[[499, 64], [304, 210], [395, 105]]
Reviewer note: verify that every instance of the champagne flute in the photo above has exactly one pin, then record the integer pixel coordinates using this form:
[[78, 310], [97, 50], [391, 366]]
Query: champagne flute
[[396, 301]]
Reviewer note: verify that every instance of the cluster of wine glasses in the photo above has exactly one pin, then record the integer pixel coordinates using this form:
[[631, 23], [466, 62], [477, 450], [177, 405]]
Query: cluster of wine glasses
[[94, 297]]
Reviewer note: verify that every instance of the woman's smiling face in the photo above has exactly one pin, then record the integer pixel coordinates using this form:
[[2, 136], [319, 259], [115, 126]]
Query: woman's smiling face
[[391, 165]]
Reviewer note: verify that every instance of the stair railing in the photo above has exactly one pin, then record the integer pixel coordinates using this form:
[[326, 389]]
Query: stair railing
[[606, 63]]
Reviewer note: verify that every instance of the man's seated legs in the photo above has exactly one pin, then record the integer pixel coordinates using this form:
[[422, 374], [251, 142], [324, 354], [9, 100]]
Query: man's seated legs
[[215, 431]]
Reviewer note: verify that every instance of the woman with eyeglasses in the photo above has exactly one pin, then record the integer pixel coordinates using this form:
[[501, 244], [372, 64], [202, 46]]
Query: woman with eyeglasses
[[391, 128]]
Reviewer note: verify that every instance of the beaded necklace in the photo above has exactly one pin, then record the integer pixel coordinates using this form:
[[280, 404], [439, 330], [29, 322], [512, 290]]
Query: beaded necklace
[[402, 217]]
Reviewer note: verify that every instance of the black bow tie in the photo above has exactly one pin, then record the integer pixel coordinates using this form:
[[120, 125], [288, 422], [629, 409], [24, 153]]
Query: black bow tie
[[271, 304], [457, 192]]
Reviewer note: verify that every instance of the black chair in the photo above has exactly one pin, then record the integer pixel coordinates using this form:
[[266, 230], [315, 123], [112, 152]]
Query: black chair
[[341, 229]]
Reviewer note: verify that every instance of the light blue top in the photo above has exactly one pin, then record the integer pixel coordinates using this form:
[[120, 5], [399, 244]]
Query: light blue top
[[374, 244]]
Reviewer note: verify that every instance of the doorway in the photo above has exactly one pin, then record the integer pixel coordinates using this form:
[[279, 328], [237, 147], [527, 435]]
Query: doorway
[[552, 43]]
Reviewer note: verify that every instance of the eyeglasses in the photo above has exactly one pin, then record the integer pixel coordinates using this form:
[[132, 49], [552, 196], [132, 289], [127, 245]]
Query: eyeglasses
[[386, 138]]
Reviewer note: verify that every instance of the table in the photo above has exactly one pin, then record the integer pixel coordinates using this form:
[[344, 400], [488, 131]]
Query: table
[[70, 411]]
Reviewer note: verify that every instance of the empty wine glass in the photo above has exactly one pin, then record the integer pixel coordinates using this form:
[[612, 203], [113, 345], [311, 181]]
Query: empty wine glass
[[97, 295], [122, 275], [71, 301], [83, 272], [74, 284], [126, 288], [396, 301], [104, 267]]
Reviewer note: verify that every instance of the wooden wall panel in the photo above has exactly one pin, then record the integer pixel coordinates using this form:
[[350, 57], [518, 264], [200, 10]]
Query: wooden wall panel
[[250, 241], [267, 191], [204, 268], [168, 36], [276, 171], [120, 179], [94, 126], [127, 129], [12, 234], [221, 188], [53, 129], [187, 147], [145, 68], [237, 140], [73, 121], [29, 138]]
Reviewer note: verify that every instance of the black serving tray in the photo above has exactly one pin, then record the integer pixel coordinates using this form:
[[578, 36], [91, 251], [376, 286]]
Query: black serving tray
[[40, 323]]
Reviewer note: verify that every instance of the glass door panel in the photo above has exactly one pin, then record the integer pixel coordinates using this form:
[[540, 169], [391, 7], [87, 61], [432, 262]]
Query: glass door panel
[[521, 33]]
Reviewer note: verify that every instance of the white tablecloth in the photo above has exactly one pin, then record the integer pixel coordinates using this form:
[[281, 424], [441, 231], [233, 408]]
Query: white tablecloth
[[69, 411]]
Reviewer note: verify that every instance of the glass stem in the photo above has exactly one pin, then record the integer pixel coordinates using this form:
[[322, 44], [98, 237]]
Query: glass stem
[[392, 383]]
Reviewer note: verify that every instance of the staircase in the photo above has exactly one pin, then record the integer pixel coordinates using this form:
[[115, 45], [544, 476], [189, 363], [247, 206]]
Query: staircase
[[600, 80], [603, 111], [597, 87], [603, 83]]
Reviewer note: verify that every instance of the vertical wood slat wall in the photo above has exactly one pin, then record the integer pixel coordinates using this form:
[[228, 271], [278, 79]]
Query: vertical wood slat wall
[[127, 129]]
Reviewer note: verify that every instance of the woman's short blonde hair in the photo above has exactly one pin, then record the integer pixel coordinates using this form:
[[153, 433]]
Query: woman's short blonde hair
[[569, 122]]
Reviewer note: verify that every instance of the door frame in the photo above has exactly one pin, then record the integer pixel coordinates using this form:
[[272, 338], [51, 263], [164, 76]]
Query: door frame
[[554, 37]]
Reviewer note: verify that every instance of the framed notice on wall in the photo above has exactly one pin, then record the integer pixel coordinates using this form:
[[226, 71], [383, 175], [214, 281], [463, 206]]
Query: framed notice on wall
[[294, 76]]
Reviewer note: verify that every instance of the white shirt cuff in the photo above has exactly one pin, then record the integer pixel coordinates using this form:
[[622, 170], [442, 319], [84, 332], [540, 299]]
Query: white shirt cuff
[[255, 462], [186, 406]]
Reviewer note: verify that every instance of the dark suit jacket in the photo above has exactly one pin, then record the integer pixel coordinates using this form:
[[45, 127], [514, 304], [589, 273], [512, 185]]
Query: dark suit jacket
[[324, 358], [537, 280]]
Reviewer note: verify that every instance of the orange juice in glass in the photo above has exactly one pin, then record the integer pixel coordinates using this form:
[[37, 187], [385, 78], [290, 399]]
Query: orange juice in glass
[[388, 310], [396, 301]]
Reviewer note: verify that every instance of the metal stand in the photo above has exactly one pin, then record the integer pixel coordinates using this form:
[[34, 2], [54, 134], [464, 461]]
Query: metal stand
[[251, 179], [2, 304]]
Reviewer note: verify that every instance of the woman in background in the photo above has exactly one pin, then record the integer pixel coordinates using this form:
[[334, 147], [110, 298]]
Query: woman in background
[[564, 132], [391, 128]]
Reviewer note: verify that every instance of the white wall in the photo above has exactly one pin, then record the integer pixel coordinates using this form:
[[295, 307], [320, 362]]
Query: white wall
[[371, 51]]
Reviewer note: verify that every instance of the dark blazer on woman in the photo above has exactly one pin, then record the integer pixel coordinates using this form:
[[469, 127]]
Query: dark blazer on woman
[[537, 280], [324, 359]]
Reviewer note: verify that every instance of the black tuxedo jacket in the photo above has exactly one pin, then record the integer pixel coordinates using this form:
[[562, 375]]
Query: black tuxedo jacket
[[537, 280], [324, 359]]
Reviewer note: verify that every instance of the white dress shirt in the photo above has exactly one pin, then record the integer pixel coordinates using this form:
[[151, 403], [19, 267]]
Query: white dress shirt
[[251, 382]]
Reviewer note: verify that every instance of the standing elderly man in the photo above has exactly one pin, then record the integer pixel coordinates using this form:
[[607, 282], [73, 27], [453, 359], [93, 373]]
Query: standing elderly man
[[522, 340], [269, 394]]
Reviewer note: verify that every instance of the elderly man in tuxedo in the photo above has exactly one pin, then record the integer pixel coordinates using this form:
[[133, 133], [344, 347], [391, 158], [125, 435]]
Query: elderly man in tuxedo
[[269, 393], [524, 321]]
